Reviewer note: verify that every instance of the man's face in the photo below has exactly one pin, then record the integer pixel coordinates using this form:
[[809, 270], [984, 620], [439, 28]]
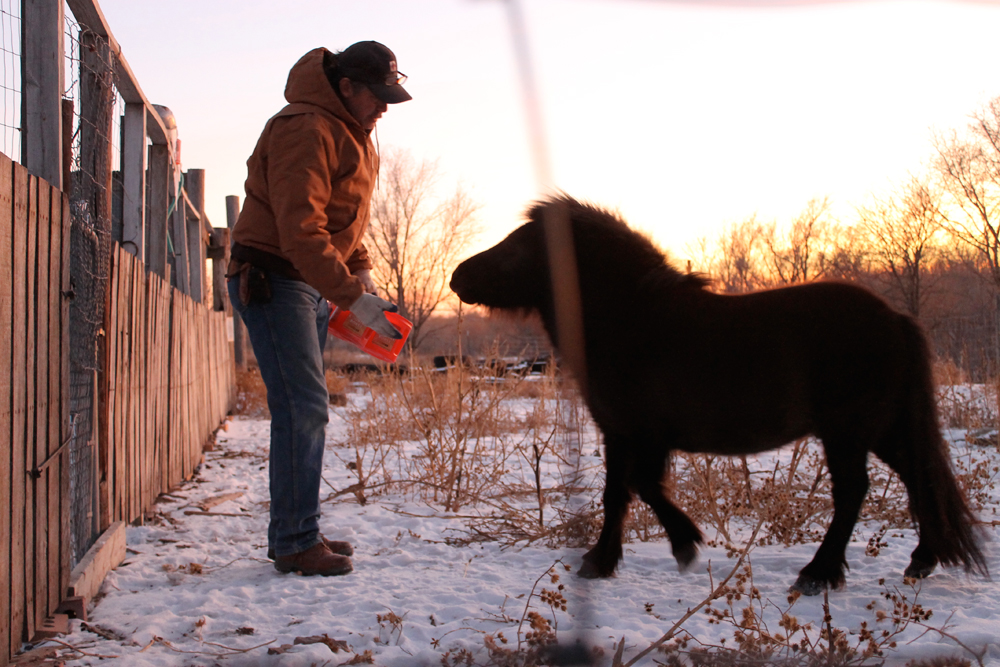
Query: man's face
[[362, 104]]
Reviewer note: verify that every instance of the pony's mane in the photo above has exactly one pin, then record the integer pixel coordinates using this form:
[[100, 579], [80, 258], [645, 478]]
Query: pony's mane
[[619, 243]]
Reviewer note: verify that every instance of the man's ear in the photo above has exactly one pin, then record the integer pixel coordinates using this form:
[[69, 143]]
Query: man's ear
[[346, 88]]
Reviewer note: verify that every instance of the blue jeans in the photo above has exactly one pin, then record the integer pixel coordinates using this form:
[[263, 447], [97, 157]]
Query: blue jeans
[[288, 335]]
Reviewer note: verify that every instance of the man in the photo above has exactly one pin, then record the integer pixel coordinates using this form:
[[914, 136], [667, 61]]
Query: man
[[296, 245]]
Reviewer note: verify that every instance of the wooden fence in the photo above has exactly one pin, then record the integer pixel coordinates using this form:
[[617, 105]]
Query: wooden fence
[[34, 419], [165, 385], [170, 379]]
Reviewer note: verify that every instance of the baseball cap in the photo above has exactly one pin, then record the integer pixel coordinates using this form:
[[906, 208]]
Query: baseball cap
[[374, 65]]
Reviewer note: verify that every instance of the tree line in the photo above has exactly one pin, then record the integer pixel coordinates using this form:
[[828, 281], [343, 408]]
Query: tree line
[[930, 245]]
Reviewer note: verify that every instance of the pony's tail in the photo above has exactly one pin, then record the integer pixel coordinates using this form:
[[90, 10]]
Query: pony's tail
[[948, 527]]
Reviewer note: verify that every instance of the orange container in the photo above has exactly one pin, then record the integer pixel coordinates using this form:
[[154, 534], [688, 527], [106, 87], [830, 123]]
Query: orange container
[[345, 326]]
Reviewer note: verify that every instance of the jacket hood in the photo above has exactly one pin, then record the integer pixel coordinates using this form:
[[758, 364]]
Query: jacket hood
[[307, 83]]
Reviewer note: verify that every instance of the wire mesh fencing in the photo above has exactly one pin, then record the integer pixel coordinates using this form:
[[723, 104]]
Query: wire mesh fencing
[[10, 78], [95, 149]]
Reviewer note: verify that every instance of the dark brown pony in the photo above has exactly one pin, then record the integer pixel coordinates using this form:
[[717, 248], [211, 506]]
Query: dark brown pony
[[673, 366]]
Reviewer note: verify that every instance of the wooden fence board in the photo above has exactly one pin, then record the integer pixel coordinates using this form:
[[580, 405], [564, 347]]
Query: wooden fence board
[[138, 387], [135, 474], [19, 380], [18, 478], [111, 337], [162, 389], [30, 234], [159, 340], [55, 440], [121, 389], [7, 287], [65, 430], [41, 222]]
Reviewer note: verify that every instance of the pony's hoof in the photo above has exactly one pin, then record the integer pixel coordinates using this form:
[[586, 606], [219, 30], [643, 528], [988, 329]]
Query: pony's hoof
[[589, 570], [807, 586], [685, 557], [918, 569]]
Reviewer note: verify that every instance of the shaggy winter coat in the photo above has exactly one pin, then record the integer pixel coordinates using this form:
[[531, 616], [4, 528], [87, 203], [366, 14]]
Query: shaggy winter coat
[[309, 186]]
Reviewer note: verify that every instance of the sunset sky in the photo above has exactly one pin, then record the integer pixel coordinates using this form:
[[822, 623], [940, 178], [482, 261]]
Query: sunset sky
[[683, 115]]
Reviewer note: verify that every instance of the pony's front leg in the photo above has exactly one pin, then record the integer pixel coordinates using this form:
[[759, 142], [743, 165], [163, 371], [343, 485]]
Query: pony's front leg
[[849, 474], [683, 533], [602, 560]]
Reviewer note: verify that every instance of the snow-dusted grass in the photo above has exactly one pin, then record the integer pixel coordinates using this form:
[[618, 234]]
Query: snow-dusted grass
[[465, 512]]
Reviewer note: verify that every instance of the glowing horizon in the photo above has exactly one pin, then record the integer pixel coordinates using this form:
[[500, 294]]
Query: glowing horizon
[[685, 117]]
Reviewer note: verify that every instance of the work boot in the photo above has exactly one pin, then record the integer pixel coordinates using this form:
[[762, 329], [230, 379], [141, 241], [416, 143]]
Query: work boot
[[336, 546], [317, 559]]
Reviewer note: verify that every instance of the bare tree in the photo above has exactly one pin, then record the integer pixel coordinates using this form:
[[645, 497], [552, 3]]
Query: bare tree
[[799, 255], [737, 263], [847, 256], [417, 236], [969, 168], [901, 230]]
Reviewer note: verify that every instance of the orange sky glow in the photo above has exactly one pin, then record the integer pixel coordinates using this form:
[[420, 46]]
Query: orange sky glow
[[684, 116]]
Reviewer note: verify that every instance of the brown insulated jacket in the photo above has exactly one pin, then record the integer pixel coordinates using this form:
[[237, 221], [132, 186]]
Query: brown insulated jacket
[[309, 186]]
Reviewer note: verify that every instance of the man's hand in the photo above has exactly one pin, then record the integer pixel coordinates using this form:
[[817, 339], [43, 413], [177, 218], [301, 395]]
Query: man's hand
[[365, 276], [371, 311]]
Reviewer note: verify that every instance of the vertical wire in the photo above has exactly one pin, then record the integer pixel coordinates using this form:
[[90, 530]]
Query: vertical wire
[[563, 269]]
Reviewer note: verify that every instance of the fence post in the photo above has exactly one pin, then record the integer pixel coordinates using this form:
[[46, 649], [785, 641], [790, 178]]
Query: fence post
[[43, 78], [194, 183], [133, 161], [159, 204], [239, 329], [178, 236], [96, 126]]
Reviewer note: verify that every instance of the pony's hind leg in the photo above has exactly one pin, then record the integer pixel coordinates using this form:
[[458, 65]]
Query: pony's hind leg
[[914, 448], [683, 533], [944, 521], [849, 474], [603, 558]]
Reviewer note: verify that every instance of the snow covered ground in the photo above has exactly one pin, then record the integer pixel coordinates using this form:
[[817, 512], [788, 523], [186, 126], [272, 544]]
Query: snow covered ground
[[197, 589]]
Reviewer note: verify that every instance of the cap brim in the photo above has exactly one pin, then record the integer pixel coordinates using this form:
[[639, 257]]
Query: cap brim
[[389, 94]]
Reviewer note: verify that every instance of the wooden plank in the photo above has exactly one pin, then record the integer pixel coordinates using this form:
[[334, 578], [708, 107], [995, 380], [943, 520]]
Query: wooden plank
[[196, 261], [163, 382], [19, 464], [196, 392], [162, 371], [42, 226], [138, 407], [152, 388], [154, 307], [7, 503], [179, 238], [124, 388], [121, 305], [240, 341], [166, 383], [126, 452], [31, 234], [66, 542], [220, 261], [134, 179], [55, 381], [174, 389], [159, 203], [140, 404], [113, 341], [190, 349], [43, 85], [105, 555], [137, 386]]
